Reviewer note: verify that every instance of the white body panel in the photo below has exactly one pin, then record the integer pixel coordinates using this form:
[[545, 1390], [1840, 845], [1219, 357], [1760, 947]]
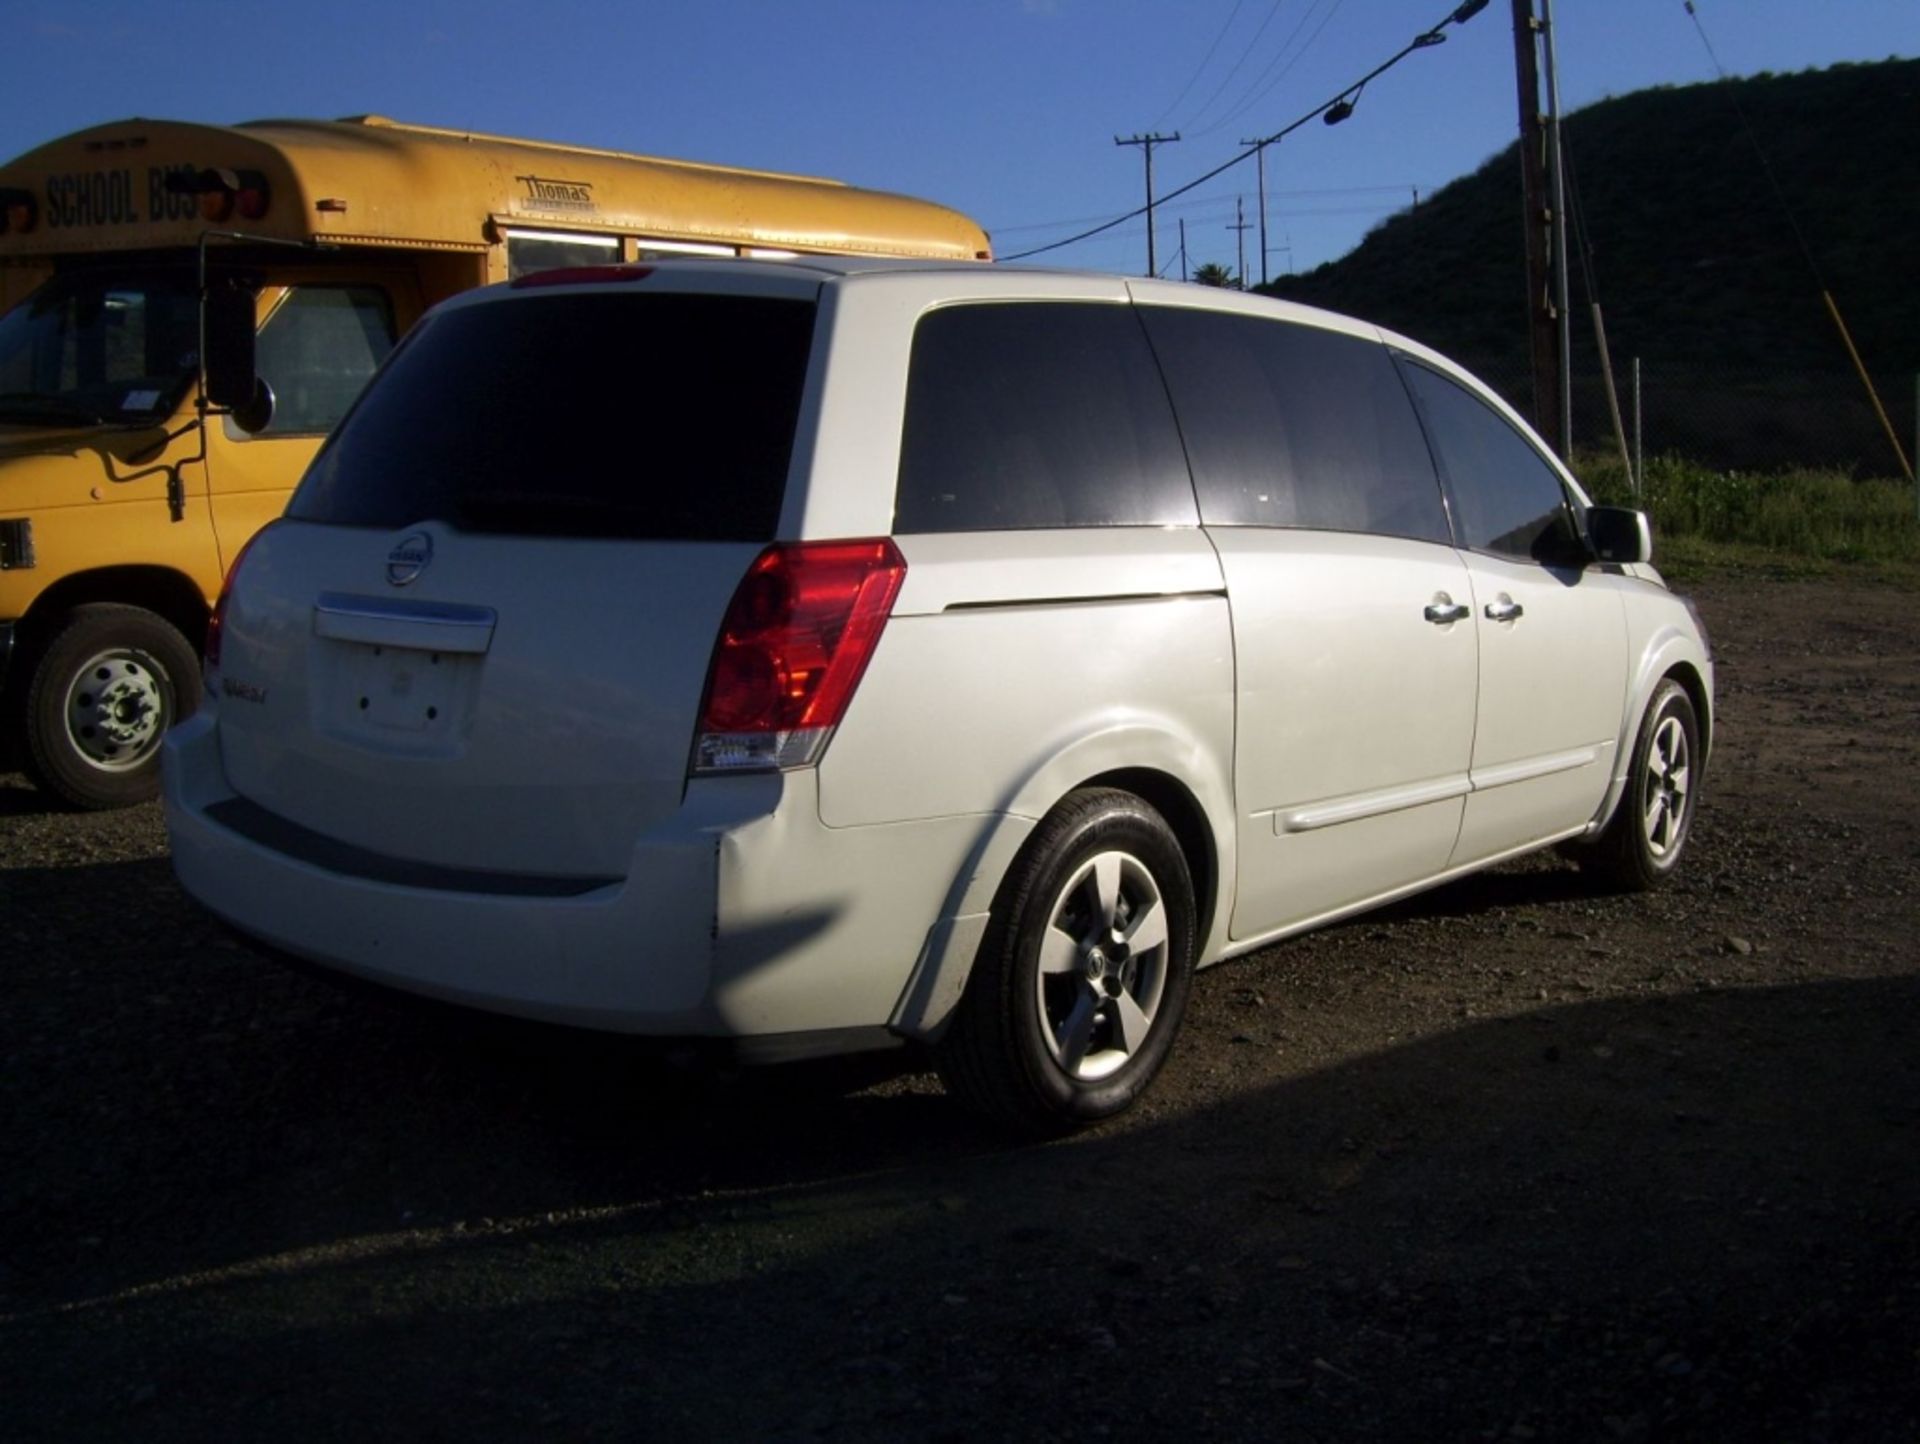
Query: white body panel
[[1546, 733], [1355, 717], [536, 754]]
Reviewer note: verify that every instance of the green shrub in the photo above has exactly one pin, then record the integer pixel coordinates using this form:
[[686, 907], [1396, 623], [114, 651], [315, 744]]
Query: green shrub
[[1819, 514]]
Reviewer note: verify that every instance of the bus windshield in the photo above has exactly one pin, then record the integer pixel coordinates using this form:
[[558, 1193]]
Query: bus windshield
[[94, 347]]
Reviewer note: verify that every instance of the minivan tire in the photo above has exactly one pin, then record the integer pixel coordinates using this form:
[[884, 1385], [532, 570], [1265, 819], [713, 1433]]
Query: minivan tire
[[109, 684], [1642, 842], [1083, 974]]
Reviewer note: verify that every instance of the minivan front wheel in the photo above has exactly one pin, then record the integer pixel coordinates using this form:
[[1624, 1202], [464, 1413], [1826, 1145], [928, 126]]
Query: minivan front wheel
[[1083, 975], [1641, 845], [110, 683]]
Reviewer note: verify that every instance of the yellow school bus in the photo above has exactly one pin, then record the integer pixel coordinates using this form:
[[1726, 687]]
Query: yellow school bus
[[124, 496]]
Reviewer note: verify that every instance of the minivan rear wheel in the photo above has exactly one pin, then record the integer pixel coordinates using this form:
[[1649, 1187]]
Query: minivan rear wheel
[[1083, 975]]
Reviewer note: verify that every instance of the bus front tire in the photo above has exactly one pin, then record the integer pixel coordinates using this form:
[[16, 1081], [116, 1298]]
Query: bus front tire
[[110, 682]]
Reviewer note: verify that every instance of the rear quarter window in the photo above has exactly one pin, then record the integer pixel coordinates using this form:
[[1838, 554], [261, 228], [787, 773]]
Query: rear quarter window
[[664, 417], [1024, 415]]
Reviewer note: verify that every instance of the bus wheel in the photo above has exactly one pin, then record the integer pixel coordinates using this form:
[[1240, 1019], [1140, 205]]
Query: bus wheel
[[107, 687]]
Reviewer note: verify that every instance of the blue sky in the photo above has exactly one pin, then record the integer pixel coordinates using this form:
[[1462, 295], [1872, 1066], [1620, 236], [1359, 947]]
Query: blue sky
[[1006, 109]]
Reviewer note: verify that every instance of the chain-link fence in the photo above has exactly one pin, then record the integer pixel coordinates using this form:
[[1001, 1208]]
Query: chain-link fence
[[1733, 417]]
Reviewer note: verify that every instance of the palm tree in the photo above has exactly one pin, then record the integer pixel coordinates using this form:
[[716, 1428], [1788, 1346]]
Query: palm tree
[[1215, 274]]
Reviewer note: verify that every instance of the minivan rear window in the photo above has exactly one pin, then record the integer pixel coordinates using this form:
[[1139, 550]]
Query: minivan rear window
[[662, 417]]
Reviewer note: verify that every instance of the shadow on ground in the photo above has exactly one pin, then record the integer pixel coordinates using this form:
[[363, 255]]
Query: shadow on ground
[[1688, 1216]]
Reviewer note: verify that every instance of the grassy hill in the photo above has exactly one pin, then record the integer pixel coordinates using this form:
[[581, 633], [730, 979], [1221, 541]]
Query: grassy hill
[[1697, 264]]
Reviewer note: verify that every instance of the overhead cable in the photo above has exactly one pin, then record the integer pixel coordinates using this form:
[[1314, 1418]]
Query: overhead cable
[[1205, 61], [1423, 41]]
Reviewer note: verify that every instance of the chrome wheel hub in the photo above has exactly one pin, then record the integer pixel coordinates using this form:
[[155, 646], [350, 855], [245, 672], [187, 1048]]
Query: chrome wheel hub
[[1103, 966], [1666, 788], [116, 711]]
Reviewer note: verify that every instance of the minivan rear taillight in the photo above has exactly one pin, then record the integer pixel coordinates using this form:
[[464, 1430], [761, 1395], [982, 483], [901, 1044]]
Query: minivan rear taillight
[[211, 652], [797, 636]]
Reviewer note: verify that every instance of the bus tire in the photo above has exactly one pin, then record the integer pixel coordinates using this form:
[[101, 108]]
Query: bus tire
[[109, 683]]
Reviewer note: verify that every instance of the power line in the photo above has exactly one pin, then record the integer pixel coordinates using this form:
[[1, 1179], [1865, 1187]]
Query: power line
[[1259, 91], [1806, 251], [1766, 165], [1227, 79], [1162, 203], [1205, 61], [1465, 11]]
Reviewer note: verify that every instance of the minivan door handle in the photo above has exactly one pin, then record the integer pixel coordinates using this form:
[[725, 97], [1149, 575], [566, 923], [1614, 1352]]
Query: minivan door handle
[[1503, 608], [1443, 610]]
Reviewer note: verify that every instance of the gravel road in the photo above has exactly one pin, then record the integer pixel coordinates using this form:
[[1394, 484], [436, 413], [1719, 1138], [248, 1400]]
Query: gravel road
[[1506, 1162]]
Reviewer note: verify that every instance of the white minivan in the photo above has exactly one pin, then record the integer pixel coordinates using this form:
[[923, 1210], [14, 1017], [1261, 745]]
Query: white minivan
[[826, 654]]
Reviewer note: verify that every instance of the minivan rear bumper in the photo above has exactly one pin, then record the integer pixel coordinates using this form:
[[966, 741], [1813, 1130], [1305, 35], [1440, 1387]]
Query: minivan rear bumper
[[742, 915]]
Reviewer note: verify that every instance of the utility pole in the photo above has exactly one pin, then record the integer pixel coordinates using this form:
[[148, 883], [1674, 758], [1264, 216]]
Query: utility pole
[[1147, 143], [1242, 225], [1260, 165], [1557, 171], [1183, 248], [1538, 211]]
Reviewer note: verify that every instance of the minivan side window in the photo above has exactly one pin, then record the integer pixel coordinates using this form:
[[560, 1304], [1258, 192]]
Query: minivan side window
[[1023, 415], [1296, 426], [1506, 498], [317, 351]]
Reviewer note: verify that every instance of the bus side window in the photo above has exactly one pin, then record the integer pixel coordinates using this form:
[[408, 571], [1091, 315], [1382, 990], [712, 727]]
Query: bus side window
[[317, 350], [530, 251]]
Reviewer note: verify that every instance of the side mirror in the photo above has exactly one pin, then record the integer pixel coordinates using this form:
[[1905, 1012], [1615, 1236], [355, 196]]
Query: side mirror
[[258, 412], [229, 341], [1619, 534]]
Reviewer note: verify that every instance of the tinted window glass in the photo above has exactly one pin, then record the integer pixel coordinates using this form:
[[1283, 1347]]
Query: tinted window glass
[[90, 346], [526, 254], [1290, 425], [317, 350], [1037, 415], [1506, 498], [667, 416]]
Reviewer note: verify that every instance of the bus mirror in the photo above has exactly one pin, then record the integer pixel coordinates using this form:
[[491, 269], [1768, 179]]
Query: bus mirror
[[254, 416], [229, 342]]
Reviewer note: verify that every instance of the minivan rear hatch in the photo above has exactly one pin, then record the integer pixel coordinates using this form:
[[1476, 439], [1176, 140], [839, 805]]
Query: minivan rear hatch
[[477, 644]]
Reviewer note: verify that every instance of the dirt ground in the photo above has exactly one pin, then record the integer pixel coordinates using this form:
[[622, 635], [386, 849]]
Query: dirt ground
[[1506, 1162]]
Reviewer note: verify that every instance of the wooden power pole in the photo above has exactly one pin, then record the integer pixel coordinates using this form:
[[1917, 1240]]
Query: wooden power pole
[[1147, 143], [1240, 226], [1260, 164], [1543, 320]]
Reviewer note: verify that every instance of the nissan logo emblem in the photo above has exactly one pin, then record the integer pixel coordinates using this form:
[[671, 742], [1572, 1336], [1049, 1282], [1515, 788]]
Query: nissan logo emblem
[[409, 558]]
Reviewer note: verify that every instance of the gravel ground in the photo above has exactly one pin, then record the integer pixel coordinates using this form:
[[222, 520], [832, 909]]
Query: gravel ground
[[1508, 1161]]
